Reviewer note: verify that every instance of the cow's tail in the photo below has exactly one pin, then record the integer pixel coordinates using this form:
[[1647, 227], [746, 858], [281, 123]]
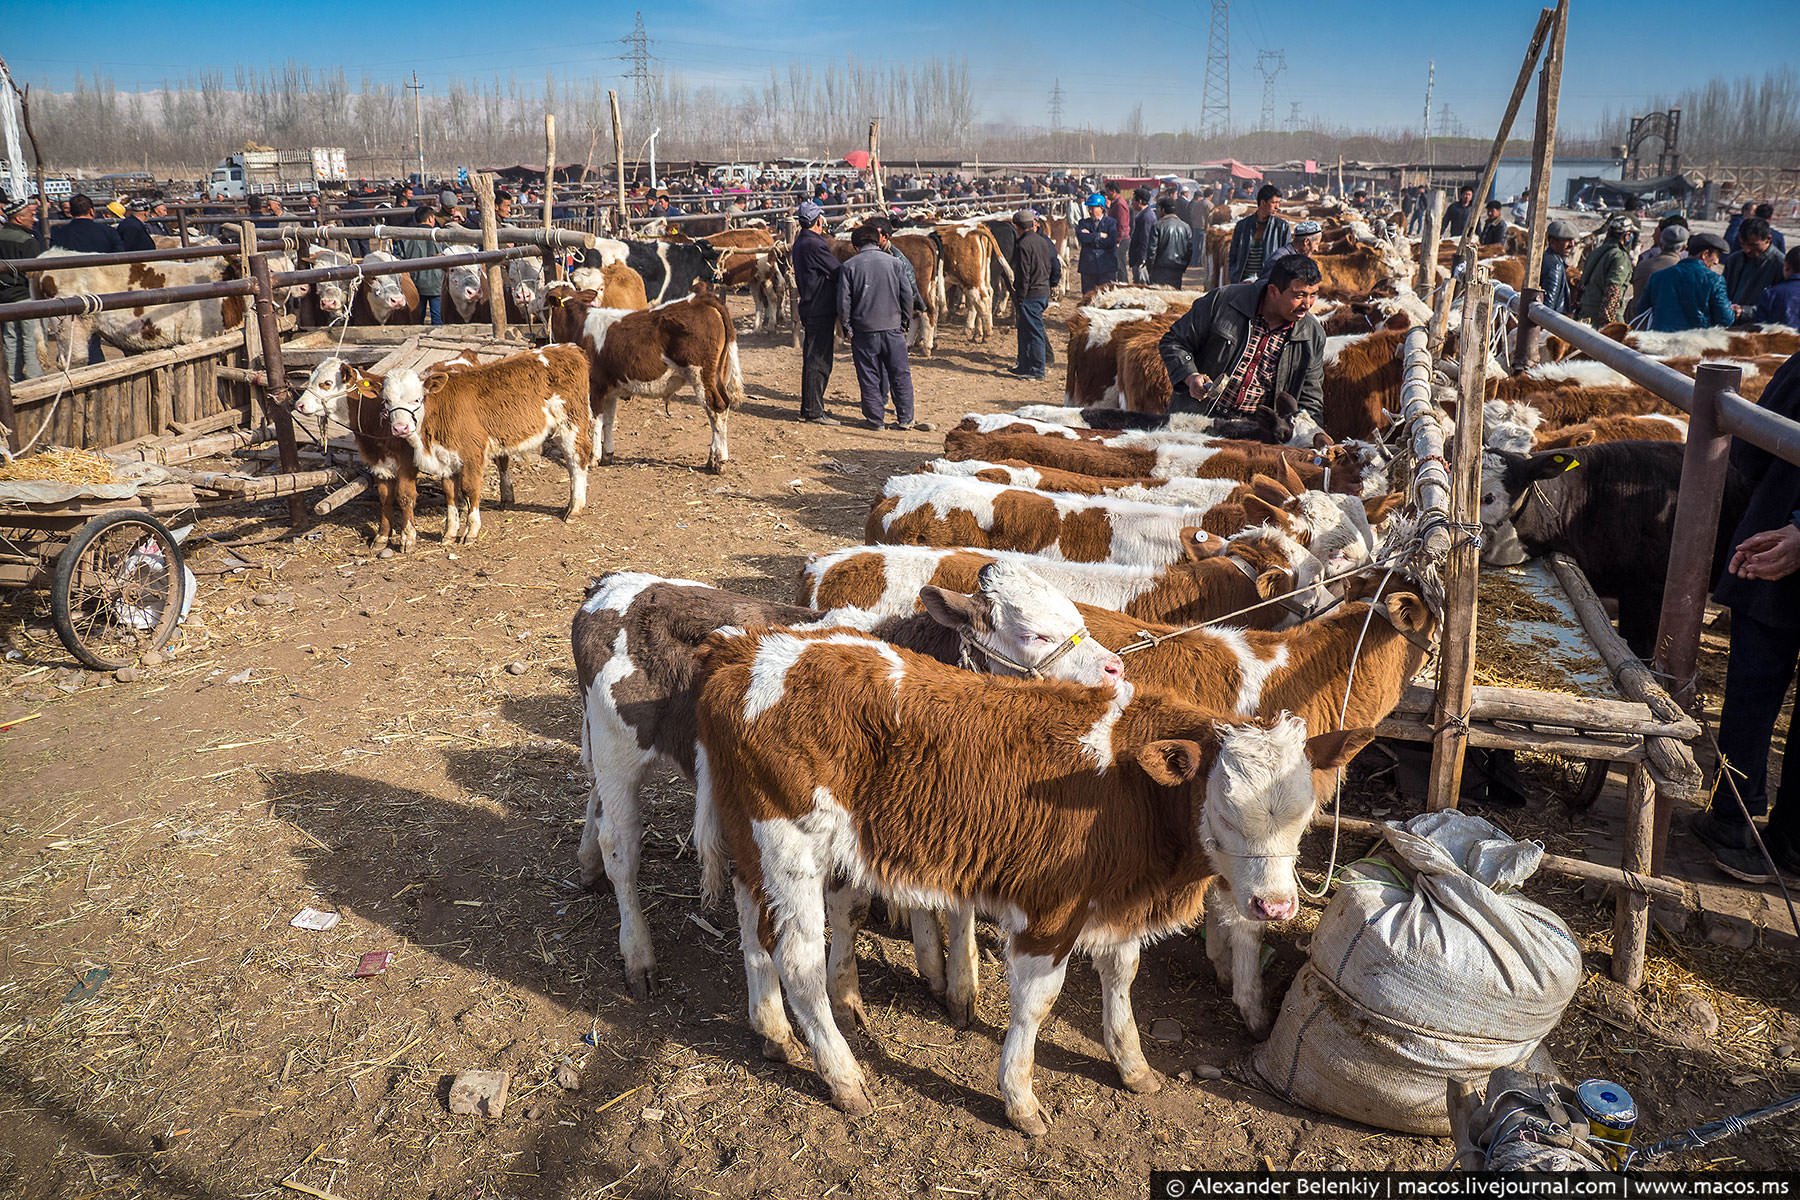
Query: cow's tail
[[709, 836], [731, 372]]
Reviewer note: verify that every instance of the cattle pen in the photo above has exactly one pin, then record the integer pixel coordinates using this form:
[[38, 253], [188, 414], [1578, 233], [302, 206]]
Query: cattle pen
[[1599, 703]]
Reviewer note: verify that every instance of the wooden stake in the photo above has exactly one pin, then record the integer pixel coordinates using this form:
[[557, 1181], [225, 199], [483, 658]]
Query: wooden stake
[[612, 98], [1543, 147], [275, 402], [549, 166], [875, 159], [1428, 244], [1631, 909], [1462, 568], [1512, 111], [490, 228]]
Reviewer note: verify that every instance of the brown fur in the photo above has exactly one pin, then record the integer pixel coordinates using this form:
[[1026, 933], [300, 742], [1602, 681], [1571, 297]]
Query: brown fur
[[1363, 385], [1609, 429], [1090, 456], [967, 252]]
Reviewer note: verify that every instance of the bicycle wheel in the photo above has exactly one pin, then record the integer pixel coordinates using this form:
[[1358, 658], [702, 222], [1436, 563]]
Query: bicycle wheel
[[117, 590]]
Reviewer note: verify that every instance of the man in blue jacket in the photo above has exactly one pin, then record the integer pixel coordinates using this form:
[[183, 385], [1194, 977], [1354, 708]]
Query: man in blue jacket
[[1780, 305], [1690, 294], [874, 304], [815, 279], [83, 233], [1098, 237], [134, 233]]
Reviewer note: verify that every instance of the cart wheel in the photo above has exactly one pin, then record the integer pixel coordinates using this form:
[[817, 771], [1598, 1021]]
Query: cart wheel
[[118, 588], [1586, 780]]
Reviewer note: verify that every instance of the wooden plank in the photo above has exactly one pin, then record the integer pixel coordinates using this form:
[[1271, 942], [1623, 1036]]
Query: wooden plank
[[1631, 910], [1550, 710], [1488, 736], [41, 389]]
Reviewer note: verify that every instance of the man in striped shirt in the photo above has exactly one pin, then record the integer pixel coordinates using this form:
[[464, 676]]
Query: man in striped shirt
[[1257, 237]]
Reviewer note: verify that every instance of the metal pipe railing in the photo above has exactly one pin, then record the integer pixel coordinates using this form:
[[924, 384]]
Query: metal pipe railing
[[1737, 416], [511, 235], [69, 262]]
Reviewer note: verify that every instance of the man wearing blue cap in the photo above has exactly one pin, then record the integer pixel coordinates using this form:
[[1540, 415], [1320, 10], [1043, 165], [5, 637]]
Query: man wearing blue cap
[[1098, 236], [815, 279]]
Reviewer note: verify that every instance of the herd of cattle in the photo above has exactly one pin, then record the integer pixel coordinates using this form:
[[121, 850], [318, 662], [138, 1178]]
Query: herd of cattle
[[1094, 670]]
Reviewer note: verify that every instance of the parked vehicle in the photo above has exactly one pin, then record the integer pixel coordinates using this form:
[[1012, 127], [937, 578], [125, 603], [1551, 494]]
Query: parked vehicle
[[262, 172]]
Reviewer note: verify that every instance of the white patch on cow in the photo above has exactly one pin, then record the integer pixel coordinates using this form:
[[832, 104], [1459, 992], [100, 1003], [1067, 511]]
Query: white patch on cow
[[1677, 422], [1096, 743], [619, 589], [776, 654], [1259, 801], [1103, 323], [1175, 461], [1254, 672], [1578, 373], [1688, 343], [1052, 414], [601, 320], [990, 422], [1335, 346]]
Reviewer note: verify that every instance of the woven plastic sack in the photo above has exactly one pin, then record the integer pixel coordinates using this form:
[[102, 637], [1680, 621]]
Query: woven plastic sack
[[1425, 966]]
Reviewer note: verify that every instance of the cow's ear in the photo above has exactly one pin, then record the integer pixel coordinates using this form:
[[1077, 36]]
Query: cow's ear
[[1256, 509], [1547, 466], [954, 610], [1407, 612], [1616, 330], [1273, 583], [1377, 508], [1290, 477], [1268, 489], [1171, 761], [587, 295], [1328, 751], [1200, 545]]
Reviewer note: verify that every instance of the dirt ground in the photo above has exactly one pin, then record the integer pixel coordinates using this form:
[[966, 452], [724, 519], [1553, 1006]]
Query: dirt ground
[[396, 741]]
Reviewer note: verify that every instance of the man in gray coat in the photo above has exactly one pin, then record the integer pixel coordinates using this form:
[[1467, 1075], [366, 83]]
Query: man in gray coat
[[1170, 244], [1244, 344], [875, 302]]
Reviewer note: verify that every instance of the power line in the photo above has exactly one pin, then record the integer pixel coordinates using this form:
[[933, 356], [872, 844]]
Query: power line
[[1056, 107], [1269, 64], [1215, 93]]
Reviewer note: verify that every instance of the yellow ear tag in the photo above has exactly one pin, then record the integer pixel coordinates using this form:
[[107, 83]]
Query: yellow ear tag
[[1569, 464], [1075, 639]]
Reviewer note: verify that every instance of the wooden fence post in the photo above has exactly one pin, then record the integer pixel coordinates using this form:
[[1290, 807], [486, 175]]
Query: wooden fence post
[[612, 98], [275, 388], [490, 228], [875, 159], [1543, 146], [1462, 566], [1631, 908], [1506, 121], [1429, 236], [1704, 465], [549, 166]]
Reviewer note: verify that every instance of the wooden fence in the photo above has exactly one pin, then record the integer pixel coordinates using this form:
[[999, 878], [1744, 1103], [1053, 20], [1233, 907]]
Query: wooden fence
[[137, 396]]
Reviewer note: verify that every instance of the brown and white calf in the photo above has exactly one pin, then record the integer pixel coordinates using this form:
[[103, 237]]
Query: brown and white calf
[[1096, 338], [753, 261], [351, 396], [969, 248], [658, 352], [1356, 468], [947, 510], [453, 420], [613, 286], [331, 301], [146, 327], [636, 641], [1080, 818], [1254, 566]]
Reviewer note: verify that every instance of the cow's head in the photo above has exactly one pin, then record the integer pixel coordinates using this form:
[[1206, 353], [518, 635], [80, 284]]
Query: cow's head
[[525, 283], [1018, 621], [387, 296], [466, 284], [1259, 802], [403, 401], [333, 296], [1283, 570], [329, 386], [1335, 528], [708, 269], [1508, 482]]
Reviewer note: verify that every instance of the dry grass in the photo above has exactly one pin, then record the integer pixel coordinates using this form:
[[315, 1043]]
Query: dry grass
[[59, 465]]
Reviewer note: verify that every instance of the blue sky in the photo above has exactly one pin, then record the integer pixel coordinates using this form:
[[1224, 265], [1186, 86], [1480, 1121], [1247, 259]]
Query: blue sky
[[1355, 63]]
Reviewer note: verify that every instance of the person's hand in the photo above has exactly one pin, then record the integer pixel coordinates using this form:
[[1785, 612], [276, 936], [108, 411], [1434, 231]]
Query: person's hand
[[1773, 554], [1196, 385]]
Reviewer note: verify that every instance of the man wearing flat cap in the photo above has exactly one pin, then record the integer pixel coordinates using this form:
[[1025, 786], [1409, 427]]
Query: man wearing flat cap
[[1606, 273], [133, 233], [815, 281], [17, 241], [1691, 294], [1036, 270], [1553, 277]]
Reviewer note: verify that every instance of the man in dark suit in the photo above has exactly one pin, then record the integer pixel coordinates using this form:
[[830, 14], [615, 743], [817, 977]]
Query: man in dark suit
[[83, 233]]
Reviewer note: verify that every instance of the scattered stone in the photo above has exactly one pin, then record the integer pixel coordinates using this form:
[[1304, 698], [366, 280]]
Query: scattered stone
[[1166, 1029], [1784, 1049], [1185, 1076], [271, 599], [155, 658], [1702, 1016], [515, 668], [483, 573], [1208, 1071], [1672, 917], [1732, 932], [385, 552], [479, 1093], [363, 612], [534, 1112], [653, 1114], [128, 674], [37, 696], [242, 676], [568, 1077]]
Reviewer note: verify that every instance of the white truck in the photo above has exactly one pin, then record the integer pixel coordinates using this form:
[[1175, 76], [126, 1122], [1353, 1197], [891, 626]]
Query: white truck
[[275, 172]]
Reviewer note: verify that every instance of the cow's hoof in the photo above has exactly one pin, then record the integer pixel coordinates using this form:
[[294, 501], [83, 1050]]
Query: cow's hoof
[[1031, 1123], [640, 983], [849, 1012], [713, 468], [962, 1012], [1144, 1085], [782, 1052], [1257, 1021], [853, 1101]]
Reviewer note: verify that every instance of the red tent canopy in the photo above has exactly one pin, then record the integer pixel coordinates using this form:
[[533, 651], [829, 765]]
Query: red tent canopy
[[1236, 169], [858, 159]]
